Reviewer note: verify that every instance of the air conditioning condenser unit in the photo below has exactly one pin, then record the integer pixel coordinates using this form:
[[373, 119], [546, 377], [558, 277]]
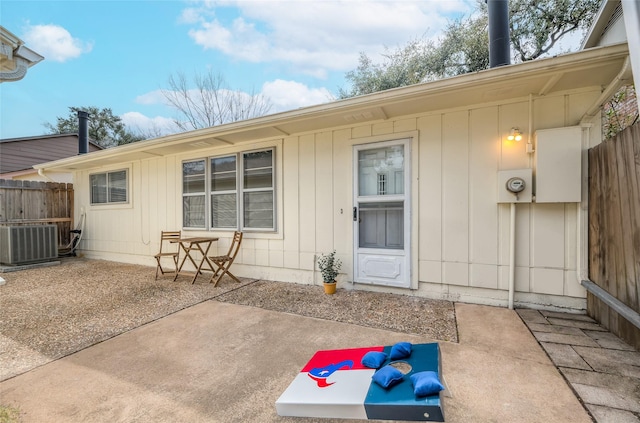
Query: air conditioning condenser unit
[[28, 244]]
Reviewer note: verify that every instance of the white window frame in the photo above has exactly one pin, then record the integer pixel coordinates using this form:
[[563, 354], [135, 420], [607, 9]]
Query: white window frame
[[194, 194], [109, 187], [239, 191]]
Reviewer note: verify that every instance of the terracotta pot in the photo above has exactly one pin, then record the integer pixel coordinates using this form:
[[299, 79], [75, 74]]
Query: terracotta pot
[[329, 288]]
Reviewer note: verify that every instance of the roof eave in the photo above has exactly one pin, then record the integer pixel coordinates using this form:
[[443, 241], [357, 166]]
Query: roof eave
[[371, 105]]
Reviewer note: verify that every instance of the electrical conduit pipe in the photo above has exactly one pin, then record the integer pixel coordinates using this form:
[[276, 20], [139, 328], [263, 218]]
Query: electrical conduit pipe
[[512, 255]]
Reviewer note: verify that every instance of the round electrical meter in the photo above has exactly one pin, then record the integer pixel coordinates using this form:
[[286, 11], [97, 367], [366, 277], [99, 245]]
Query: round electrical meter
[[515, 185]]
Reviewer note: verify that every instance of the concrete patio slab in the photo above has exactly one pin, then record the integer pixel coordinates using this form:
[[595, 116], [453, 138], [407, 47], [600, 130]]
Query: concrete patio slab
[[606, 376], [532, 316], [559, 338], [565, 356], [580, 324], [567, 316], [539, 327], [612, 415], [608, 340], [625, 389], [605, 397], [218, 362], [618, 362]]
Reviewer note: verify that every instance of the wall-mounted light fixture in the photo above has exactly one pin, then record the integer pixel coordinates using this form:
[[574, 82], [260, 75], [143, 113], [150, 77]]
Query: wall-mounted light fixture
[[515, 135]]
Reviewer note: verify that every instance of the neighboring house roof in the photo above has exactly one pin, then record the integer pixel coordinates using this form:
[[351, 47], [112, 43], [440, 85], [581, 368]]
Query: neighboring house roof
[[15, 57], [618, 21], [21, 154], [600, 67], [607, 26]]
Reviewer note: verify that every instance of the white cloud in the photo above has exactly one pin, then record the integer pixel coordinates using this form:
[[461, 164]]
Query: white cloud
[[241, 40], [150, 127], [316, 37], [54, 42], [290, 95], [283, 95], [189, 16], [153, 97]]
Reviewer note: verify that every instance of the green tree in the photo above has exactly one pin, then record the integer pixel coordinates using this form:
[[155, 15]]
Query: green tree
[[536, 26], [105, 129]]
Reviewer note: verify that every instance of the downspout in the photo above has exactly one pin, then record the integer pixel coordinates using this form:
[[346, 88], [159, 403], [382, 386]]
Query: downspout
[[623, 77], [41, 173], [529, 148], [582, 234], [632, 18]]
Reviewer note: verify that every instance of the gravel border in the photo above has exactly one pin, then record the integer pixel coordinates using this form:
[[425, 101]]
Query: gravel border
[[50, 312], [400, 313]]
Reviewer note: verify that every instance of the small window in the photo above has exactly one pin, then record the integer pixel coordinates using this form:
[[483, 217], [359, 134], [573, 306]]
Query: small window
[[109, 187]]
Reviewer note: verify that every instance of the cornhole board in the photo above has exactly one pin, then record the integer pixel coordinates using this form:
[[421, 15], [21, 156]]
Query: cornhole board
[[334, 384]]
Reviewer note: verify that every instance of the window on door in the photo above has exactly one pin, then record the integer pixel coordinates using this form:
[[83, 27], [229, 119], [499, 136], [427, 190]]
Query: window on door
[[381, 182]]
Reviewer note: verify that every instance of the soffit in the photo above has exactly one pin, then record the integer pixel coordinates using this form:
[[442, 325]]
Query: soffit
[[595, 67]]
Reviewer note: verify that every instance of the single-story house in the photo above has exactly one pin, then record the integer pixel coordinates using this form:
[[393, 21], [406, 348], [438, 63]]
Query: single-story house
[[19, 155], [421, 190]]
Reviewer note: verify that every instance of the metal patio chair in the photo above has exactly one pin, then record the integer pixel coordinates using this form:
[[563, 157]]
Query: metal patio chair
[[169, 247], [223, 263]]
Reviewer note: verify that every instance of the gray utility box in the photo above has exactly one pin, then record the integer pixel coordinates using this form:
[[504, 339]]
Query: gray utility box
[[558, 165]]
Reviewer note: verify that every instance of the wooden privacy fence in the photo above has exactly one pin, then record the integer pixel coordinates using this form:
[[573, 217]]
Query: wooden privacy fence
[[37, 203], [614, 231]]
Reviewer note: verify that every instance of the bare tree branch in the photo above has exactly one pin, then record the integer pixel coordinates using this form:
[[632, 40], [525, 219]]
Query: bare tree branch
[[210, 102]]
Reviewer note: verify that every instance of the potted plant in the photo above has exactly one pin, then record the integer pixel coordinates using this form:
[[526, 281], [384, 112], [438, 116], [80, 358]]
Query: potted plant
[[329, 267]]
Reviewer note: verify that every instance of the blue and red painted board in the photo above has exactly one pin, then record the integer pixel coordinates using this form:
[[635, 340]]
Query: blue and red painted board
[[334, 384]]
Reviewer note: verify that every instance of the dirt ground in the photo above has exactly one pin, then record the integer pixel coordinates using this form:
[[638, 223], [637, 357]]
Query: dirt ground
[[50, 312]]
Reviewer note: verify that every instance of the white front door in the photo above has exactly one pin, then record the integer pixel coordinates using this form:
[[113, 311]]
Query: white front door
[[381, 213]]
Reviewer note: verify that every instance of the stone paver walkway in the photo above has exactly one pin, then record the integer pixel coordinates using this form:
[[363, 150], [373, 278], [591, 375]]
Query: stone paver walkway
[[603, 370]]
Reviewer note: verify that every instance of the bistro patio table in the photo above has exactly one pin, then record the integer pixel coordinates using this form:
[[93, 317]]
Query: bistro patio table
[[191, 244]]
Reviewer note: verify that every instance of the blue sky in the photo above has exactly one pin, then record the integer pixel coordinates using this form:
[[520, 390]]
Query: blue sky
[[118, 54]]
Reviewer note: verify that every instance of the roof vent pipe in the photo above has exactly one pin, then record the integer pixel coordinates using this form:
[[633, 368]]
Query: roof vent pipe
[[83, 132], [499, 47]]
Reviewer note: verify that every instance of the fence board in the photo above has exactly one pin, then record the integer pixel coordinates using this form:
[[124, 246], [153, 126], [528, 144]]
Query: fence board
[[632, 154], [631, 214], [614, 229], [33, 202]]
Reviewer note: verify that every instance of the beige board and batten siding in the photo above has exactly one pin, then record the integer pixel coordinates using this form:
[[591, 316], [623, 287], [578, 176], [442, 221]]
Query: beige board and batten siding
[[130, 232], [460, 232]]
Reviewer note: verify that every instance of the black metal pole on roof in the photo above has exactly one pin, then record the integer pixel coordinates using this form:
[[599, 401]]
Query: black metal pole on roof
[[499, 44], [83, 132]]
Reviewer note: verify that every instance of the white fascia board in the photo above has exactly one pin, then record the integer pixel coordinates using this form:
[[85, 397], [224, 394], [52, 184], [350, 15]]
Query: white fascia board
[[503, 74], [29, 55]]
